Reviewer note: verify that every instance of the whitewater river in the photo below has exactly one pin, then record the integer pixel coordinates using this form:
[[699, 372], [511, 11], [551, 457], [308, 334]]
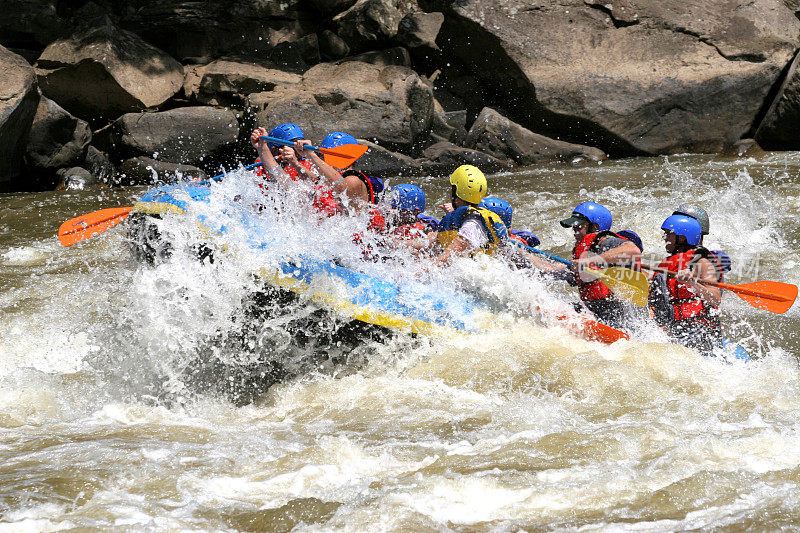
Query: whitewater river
[[109, 420]]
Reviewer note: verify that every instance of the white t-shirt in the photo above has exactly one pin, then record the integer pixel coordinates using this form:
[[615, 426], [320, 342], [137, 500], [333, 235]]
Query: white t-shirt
[[473, 231]]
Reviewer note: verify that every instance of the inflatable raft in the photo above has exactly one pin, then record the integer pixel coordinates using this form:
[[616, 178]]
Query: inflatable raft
[[409, 306]]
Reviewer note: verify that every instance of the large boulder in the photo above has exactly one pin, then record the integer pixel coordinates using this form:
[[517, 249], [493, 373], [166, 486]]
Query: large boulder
[[225, 82], [381, 162], [506, 140], [389, 104], [780, 129], [442, 158], [211, 29], [147, 171], [107, 72], [184, 135], [372, 23], [630, 76], [29, 23], [57, 139], [19, 98], [419, 30]]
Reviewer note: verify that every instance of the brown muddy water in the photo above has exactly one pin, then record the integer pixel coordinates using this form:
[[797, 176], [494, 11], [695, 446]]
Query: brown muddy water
[[521, 428]]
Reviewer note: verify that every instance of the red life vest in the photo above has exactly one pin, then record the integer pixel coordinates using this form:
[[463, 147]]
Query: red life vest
[[686, 303], [409, 231], [592, 290]]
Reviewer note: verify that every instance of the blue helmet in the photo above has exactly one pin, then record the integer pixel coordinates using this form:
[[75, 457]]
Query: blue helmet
[[406, 196], [499, 207], [684, 225], [633, 237], [591, 212], [337, 138], [286, 132]]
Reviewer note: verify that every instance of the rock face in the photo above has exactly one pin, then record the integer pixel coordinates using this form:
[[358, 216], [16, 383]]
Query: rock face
[[780, 129], [443, 158], [629, 76], [57, 139], [28, 23], [372, 23], [506, 140], [212, 29], [226, 82], [106, 72], [184, 135], [19, 98], [147, 171], [389, 104]]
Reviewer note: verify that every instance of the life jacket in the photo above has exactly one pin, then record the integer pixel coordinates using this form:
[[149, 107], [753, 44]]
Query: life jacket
[[290, 170], [452, 222], [524, 237], [431, 224], [596, 289], [374, 185], [686, 304], [409, 231], [724, 261]]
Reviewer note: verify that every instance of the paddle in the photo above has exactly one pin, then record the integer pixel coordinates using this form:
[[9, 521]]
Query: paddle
[[340, 157], [87, 226], [624, 282], [772, 296]]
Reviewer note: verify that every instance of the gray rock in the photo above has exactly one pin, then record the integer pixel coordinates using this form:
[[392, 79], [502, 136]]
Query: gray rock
[[780, 129], [506, 140], [19, 98], [107, 72], [670, 77], [330, 7], [98, 164], [331, 46], [147, 171], [212, 29], [391, 104], [31, 23], [372, 23], [57, 139], [381, 162], [442, 158], [186, 135], [391, 56], [226, 82], [77, 178], [419, 30]]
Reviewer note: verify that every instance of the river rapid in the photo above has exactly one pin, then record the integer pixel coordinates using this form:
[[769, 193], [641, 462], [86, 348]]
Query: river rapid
[[104, 423]]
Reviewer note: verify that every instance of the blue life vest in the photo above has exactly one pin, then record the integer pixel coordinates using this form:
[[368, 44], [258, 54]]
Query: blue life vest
[[432, 224]]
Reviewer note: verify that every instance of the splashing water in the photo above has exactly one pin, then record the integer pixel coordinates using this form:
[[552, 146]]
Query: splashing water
[[121, 384]]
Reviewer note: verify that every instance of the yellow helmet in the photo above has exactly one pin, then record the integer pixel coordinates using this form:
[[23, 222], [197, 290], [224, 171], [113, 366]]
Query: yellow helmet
[[470, 183]]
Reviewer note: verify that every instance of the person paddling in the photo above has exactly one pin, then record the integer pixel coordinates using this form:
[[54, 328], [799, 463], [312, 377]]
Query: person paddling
[[700, 215], [407, 203], [282, 162], [506, 213], [686, 309], [468, 228], [598, 247]]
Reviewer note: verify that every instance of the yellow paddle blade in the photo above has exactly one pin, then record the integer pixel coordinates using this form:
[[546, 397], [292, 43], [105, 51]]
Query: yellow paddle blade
[[625, 283]]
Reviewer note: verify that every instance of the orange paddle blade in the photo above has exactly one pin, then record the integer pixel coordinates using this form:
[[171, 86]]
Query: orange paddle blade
[[85, 226], [768, 295], [592, 330], [343, 156]]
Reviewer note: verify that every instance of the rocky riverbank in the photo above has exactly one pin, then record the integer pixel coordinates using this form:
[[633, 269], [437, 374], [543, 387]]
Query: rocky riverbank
[[113, 92]]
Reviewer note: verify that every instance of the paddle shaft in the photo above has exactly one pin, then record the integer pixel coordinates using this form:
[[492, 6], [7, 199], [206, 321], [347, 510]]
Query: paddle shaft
[[283, 142], [728, 286]]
